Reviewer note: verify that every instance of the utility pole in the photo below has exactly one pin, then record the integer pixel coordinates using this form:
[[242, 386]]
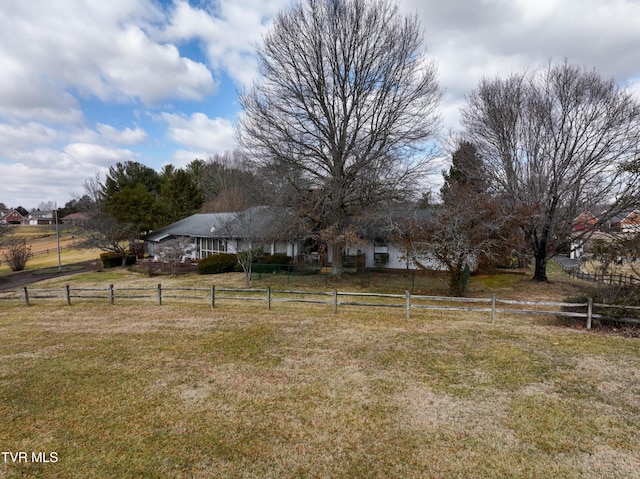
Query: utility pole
[[58, 237]]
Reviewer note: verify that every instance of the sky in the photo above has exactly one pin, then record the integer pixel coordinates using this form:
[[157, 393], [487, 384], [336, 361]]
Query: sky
[[85, 84]]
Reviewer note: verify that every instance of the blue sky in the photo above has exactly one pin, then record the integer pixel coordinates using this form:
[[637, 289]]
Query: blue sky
[[87, 83]]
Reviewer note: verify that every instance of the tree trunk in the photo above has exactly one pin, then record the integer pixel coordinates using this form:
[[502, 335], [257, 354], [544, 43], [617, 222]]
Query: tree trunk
[[456, 282], [336, 259], [540, 273]]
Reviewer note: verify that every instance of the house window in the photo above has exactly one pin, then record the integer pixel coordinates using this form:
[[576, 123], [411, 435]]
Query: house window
[[380, 252], [211, 246]]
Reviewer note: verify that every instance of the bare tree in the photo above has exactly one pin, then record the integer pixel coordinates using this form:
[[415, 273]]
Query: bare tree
[[345, 107], [554, 142]]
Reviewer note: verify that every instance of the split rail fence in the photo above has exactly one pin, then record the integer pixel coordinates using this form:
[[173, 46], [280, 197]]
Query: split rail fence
[[335, 299]]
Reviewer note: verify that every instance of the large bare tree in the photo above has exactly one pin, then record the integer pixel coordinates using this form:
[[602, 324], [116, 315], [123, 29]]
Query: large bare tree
[[344, 109], [555, 142]]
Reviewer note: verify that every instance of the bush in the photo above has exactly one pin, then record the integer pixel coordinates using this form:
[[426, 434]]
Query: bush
[[218, 263], [17, 254], [278, 258], [271, 263], [114, 260], [614, 295]]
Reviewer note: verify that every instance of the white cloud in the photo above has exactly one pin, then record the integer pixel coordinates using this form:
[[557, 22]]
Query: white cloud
[[18, 136], [56, 175], [121, 137], [487, 38], [53, 50], [200, 133], [182, 158], [229, 32]]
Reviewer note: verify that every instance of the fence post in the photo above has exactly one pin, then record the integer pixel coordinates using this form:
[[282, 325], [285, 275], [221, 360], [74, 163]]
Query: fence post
[[269, 297], [213, 296], [111, 298], [26, 296], [493, 308], [160, 294], [335, 300], [589, 312], [68, 291], [408, 304]]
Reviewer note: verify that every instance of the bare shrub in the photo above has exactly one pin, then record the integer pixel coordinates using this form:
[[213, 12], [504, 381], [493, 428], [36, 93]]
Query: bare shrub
[[17, 254]]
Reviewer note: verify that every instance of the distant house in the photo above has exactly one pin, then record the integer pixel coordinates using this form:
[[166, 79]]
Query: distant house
[[76, 219], [625, 222], [271, 230], [585, 222], [40, 218], [587, 228], [10, 217]]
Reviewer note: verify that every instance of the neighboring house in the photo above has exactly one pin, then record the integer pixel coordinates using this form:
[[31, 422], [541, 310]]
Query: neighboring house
[[585, 222], [268, 229], [76, 219], [10, 217], [626, 222], [40, 218]]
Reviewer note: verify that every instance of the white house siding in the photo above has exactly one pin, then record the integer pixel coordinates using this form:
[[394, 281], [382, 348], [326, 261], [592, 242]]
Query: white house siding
[[396, 254]]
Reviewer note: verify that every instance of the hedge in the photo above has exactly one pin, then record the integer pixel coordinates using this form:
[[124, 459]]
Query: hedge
[[218, 263], [114, 260]]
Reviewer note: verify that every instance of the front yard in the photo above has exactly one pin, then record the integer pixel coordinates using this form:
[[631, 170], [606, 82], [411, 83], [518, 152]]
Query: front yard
[[184, 391]]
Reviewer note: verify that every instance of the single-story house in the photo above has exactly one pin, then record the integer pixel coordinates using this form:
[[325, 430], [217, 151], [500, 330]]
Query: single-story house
[[40, 218], [76, 219], [259, 227], [275, 230]]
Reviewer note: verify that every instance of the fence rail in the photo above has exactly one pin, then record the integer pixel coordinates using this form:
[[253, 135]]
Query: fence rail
[[607, 278], [336, 299]]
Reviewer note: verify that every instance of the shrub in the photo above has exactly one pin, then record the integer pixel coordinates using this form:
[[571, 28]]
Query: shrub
[[218, 263], [614, 295], [114, 260], [277, 258], [17, 254], [271, 263]]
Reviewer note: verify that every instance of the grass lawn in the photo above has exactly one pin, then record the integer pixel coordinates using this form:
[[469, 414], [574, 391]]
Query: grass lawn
[[44, 245], [184, 391]]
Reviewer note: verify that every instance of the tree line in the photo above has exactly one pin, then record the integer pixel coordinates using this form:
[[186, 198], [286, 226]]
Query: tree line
[[343, 121]]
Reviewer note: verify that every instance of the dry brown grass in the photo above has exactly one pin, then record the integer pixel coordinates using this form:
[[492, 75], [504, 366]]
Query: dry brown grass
[[44, 245], [184, 391]]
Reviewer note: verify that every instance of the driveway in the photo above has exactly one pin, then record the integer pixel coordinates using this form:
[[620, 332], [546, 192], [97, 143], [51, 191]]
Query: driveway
[[23, 278], [566, 262]]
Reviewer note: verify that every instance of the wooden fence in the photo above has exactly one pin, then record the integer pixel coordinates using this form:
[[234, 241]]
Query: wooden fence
[[334, 299], [607, 278]]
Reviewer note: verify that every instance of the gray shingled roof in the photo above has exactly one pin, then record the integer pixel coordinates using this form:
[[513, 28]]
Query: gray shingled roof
[[258, 221]]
